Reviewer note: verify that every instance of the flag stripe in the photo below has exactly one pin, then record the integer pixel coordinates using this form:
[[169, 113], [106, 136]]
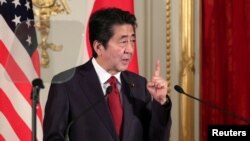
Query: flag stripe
[[35, 62], [17, 50], [20, 128], [5, 129], [20, 74], [1, 137], [18, 103], [16, 76], [19, 66]]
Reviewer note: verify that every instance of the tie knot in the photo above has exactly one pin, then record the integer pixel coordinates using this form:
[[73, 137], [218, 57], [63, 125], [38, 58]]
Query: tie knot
[[112, 81]]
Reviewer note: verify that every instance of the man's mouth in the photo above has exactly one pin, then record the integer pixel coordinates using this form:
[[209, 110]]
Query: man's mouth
[[126, 60]]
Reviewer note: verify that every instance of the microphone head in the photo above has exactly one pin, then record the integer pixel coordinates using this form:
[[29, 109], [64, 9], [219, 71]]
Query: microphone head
[[179, 89], [109, 90], [38, 82]]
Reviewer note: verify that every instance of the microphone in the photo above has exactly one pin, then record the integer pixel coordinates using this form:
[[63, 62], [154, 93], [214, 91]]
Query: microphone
[[108, 91], [37, 84], [181, 91]]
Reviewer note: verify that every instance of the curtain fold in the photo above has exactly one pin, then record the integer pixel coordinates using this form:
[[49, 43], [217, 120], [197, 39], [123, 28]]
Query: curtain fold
[[225, 62]]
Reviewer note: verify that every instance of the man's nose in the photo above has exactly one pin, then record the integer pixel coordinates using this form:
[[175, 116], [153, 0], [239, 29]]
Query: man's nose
[[130, 47]]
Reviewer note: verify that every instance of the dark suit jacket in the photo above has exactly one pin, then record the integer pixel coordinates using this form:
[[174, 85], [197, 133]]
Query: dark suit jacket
[[76, 97]]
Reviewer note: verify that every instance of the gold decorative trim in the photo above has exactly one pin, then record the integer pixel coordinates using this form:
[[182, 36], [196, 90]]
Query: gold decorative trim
[[168, 43], [44, 9], [187, 70]]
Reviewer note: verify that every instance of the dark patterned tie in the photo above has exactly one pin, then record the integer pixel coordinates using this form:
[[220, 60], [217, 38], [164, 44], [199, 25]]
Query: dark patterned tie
[[115, 106]]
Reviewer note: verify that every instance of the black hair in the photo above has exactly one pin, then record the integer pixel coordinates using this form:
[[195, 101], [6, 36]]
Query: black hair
[[101, 24]]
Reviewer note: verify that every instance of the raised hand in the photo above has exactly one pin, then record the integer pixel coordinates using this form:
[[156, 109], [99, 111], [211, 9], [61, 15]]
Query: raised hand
[[158, 86]]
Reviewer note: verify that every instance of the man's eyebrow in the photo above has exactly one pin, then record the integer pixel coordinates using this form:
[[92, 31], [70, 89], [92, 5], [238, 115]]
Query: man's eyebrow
[[126, 36]]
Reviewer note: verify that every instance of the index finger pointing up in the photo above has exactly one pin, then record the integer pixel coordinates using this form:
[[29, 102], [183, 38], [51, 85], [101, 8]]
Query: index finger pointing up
[[157, 68]]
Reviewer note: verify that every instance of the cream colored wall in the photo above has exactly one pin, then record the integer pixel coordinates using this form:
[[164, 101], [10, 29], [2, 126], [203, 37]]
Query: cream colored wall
[[151, 44]]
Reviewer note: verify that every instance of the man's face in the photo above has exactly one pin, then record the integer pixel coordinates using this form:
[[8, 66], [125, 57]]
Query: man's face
[[119, 51]]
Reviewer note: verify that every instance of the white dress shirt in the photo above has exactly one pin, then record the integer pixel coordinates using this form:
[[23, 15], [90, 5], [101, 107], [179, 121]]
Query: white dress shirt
[[103, 76]]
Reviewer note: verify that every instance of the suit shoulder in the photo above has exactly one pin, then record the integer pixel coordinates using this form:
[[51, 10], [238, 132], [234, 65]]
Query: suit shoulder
[[69, 74], [64, 76]]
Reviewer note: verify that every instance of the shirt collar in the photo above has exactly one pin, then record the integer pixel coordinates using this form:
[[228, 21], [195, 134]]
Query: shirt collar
[[102, 74]]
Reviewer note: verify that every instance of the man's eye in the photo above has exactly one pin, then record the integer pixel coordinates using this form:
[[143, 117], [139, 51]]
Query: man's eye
[[124, 41]]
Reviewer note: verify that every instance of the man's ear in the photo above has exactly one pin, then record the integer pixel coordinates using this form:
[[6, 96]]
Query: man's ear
[[98, 47]]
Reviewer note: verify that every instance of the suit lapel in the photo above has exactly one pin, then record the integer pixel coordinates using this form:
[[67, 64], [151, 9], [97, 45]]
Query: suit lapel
[[92, 88]]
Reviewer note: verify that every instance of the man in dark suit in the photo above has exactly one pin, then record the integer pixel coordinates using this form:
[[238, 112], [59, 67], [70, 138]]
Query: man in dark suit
[[79, 102]]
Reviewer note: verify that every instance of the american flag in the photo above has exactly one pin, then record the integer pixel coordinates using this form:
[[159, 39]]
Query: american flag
[[19, 65]]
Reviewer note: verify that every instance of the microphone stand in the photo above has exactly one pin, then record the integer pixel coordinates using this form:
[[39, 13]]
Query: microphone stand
[[180, 90], [36, 85]]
